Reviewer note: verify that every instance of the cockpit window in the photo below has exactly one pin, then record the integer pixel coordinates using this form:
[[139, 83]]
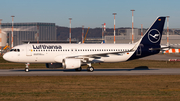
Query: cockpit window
[[15, 50]]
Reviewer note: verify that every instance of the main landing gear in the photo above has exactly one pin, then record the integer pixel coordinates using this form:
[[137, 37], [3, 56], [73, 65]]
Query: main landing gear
[[27, 67], [89, 68]]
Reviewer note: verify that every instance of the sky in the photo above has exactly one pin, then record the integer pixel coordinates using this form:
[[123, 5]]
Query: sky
[[91, 13]]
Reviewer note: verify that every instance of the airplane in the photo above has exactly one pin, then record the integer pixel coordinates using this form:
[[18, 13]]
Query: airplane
[[73, 56]]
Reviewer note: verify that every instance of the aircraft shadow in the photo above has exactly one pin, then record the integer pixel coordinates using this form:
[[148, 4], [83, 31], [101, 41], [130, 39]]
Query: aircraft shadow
[[103, 69], [136, 68]]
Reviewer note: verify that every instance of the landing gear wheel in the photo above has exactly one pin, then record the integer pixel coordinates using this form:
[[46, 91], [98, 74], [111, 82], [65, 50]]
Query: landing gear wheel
[[26, 69], [90, 69], [78, 69]]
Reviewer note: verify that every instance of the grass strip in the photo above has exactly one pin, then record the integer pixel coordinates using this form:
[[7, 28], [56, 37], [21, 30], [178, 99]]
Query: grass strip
[[90, 88]]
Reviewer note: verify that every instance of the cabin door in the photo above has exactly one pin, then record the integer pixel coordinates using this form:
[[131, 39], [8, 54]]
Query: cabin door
[[28, 50], [138, 52]]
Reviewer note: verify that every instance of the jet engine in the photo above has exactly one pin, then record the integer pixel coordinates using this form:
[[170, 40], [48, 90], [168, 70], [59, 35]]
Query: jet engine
[[71, 63], [53, 65]]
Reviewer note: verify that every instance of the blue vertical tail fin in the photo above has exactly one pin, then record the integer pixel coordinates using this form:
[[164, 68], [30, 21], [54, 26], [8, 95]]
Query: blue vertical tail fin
[[150, 42], [154, 33]]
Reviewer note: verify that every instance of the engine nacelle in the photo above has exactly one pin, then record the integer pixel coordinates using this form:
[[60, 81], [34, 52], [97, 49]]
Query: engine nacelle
[[53, 65], [71, 63]]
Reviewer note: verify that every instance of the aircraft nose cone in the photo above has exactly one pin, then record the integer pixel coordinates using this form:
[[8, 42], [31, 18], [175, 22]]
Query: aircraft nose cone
[[5, 56]]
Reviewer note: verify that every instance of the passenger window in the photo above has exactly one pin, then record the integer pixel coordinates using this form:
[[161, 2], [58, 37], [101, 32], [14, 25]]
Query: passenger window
[[11, 50], [15, 50]]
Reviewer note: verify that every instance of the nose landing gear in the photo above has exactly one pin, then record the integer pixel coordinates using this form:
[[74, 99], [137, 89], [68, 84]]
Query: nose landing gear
[[27, 67]]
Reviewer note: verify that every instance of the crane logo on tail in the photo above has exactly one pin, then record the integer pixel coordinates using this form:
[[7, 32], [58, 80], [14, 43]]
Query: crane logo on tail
[[154, 36]]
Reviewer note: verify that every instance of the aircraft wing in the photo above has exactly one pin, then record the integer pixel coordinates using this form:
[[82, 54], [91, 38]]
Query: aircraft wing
[[98, 55]]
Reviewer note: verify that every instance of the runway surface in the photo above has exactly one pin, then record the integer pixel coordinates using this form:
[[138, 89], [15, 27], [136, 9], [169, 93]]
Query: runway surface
[[160, 56], [61, 72], [121, 71]]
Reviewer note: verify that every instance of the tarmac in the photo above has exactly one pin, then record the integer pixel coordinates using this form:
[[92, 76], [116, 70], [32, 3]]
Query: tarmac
[[84, 72], [141, 70], [163, 57]]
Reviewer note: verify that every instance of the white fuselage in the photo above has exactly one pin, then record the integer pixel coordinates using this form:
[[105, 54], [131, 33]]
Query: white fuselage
[[55, 53]]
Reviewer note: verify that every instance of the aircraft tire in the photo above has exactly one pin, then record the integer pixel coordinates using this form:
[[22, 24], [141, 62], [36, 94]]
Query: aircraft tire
[[26, 70], [90, 69]]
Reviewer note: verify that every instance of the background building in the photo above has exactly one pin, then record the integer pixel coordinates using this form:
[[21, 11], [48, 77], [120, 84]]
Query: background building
[[29, 32], [125, 36]]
